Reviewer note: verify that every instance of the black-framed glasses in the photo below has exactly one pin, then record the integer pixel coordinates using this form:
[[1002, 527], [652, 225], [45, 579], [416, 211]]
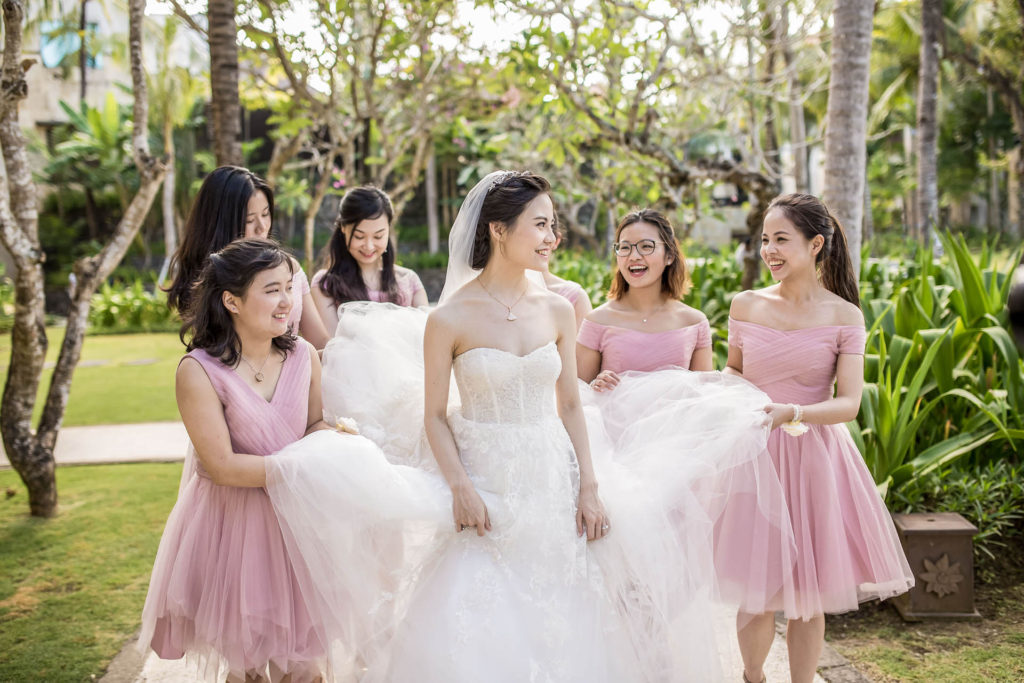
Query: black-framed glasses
[[643, 247]]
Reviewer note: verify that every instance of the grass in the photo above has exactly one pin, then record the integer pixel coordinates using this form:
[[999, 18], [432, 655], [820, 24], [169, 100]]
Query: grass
[[72, 587], [886, 649], [132, 381]]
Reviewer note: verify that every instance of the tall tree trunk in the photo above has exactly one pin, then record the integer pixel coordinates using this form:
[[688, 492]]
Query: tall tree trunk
[[309, 223], [226, 109], [927, 124], [995, 210], [83, 50], [170, 229], [797, 122], [846, 118], [31, 453], [433, 231]]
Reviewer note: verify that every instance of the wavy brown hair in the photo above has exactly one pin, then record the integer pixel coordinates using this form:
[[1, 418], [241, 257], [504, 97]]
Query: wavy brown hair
[[811, 217], [675, 279], [207, 324]]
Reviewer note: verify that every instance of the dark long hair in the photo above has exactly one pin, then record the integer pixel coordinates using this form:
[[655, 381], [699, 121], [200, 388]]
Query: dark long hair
[[207, 324], [343, 280], [675, 279], [503, 204], [217, 217], [811, 217]]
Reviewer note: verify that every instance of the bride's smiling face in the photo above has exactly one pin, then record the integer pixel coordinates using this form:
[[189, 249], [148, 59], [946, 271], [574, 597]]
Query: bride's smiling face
[[528, 242]]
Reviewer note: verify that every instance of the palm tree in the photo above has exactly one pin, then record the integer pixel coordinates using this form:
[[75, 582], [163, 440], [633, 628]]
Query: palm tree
[[224, 103], [846, 118], [927, 124]]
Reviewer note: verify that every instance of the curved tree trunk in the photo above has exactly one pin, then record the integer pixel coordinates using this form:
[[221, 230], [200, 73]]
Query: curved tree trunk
[[226, 111], [31, 453], [846, 118], [927, 123]]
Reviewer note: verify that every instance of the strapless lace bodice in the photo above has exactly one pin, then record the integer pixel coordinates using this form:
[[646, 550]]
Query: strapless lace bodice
[[501, 387]]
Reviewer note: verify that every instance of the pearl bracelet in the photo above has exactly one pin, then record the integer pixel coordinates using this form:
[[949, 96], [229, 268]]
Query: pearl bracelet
[[798, 413]]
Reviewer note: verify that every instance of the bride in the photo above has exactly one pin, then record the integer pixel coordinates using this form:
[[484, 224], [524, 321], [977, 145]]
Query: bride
[[482, 551]]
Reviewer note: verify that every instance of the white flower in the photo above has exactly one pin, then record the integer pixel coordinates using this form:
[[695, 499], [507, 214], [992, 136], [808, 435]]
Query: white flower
[[347, 425], [794, 428]]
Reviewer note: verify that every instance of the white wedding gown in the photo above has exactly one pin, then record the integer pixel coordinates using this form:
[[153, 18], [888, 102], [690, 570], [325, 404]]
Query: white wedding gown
[[400, 597]]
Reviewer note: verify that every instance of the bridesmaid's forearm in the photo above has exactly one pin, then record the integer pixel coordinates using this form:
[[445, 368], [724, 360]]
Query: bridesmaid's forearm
[[837, 410], [237, 469]]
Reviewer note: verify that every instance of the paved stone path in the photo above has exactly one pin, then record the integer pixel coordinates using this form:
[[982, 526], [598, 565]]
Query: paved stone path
[[166, 442]]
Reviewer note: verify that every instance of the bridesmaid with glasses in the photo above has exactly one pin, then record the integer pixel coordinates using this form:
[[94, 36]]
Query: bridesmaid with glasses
[[644, 325]]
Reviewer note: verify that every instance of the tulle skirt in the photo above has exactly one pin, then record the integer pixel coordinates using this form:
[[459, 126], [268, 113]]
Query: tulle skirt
[[224, 590], [847, 547]]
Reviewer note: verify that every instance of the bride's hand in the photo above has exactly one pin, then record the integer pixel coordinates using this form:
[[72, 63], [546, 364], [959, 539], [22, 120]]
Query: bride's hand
[[590, 516], [469, 510]]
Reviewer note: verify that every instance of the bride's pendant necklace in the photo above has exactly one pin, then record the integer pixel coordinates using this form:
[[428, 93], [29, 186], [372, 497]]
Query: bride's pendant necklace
[[258, 373], [511, 317]]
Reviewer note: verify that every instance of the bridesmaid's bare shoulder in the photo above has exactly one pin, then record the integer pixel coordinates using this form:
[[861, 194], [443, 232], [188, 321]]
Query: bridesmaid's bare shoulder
[[746, 304], [842, 311]]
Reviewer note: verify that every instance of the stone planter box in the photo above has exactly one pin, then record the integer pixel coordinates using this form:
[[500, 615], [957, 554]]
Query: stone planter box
[[940, 550]]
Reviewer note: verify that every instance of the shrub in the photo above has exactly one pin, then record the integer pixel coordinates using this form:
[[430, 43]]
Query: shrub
[[118, 308]]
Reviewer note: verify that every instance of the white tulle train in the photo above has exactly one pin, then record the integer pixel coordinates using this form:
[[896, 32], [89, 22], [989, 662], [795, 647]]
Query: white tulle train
[[400, 596]]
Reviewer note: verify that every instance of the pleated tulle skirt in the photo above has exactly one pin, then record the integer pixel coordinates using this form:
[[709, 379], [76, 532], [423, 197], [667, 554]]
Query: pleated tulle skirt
[[847, 550], [224, 590]]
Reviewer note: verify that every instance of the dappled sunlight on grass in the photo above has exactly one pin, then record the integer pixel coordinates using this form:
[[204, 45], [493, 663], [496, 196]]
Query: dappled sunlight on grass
[[72, 588]]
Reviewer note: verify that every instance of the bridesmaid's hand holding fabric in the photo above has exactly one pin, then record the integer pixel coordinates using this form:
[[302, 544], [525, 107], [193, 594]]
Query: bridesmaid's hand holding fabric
[[779, 413], [605, 381]]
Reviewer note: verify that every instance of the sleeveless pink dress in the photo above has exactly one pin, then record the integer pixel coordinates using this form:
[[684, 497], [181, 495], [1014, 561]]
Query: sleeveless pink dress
[[569, 290], [300, 288], [624, 349], [408, 285], [847, 550], [224, 590]]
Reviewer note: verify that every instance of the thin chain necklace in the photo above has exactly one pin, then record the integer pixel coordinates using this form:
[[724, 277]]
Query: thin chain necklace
[[258, 372], [511, 317], [654, 310]]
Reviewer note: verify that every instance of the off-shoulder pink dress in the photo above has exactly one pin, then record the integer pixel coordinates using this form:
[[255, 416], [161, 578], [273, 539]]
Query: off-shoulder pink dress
[[224, 590], [625, 349], [847, 550]]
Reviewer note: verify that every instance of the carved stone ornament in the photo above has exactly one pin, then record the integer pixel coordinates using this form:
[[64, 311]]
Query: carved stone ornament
[[941, 578]]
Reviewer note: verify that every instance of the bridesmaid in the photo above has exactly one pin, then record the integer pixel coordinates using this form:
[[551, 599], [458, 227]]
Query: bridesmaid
[[361, 259], [644, 325], [234, 202], [796, 341], [223, 589], [571, 291]]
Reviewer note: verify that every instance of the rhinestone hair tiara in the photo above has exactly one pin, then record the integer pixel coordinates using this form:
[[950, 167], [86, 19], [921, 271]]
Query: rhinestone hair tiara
[[498, 180]]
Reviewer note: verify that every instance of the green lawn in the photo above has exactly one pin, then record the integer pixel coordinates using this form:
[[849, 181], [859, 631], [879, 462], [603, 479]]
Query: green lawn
[[72, 587], [132, 379], [887, 650]]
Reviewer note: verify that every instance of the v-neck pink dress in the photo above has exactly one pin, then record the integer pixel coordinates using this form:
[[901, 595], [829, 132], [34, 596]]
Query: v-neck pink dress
[[847, 550], [625, 349], [224, 589]]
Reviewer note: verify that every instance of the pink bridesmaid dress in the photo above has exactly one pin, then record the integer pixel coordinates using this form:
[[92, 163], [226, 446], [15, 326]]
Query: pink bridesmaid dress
[[300, 288], [625, 349], [568, 290], [408, 285], [847, 550], [224, 590]]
